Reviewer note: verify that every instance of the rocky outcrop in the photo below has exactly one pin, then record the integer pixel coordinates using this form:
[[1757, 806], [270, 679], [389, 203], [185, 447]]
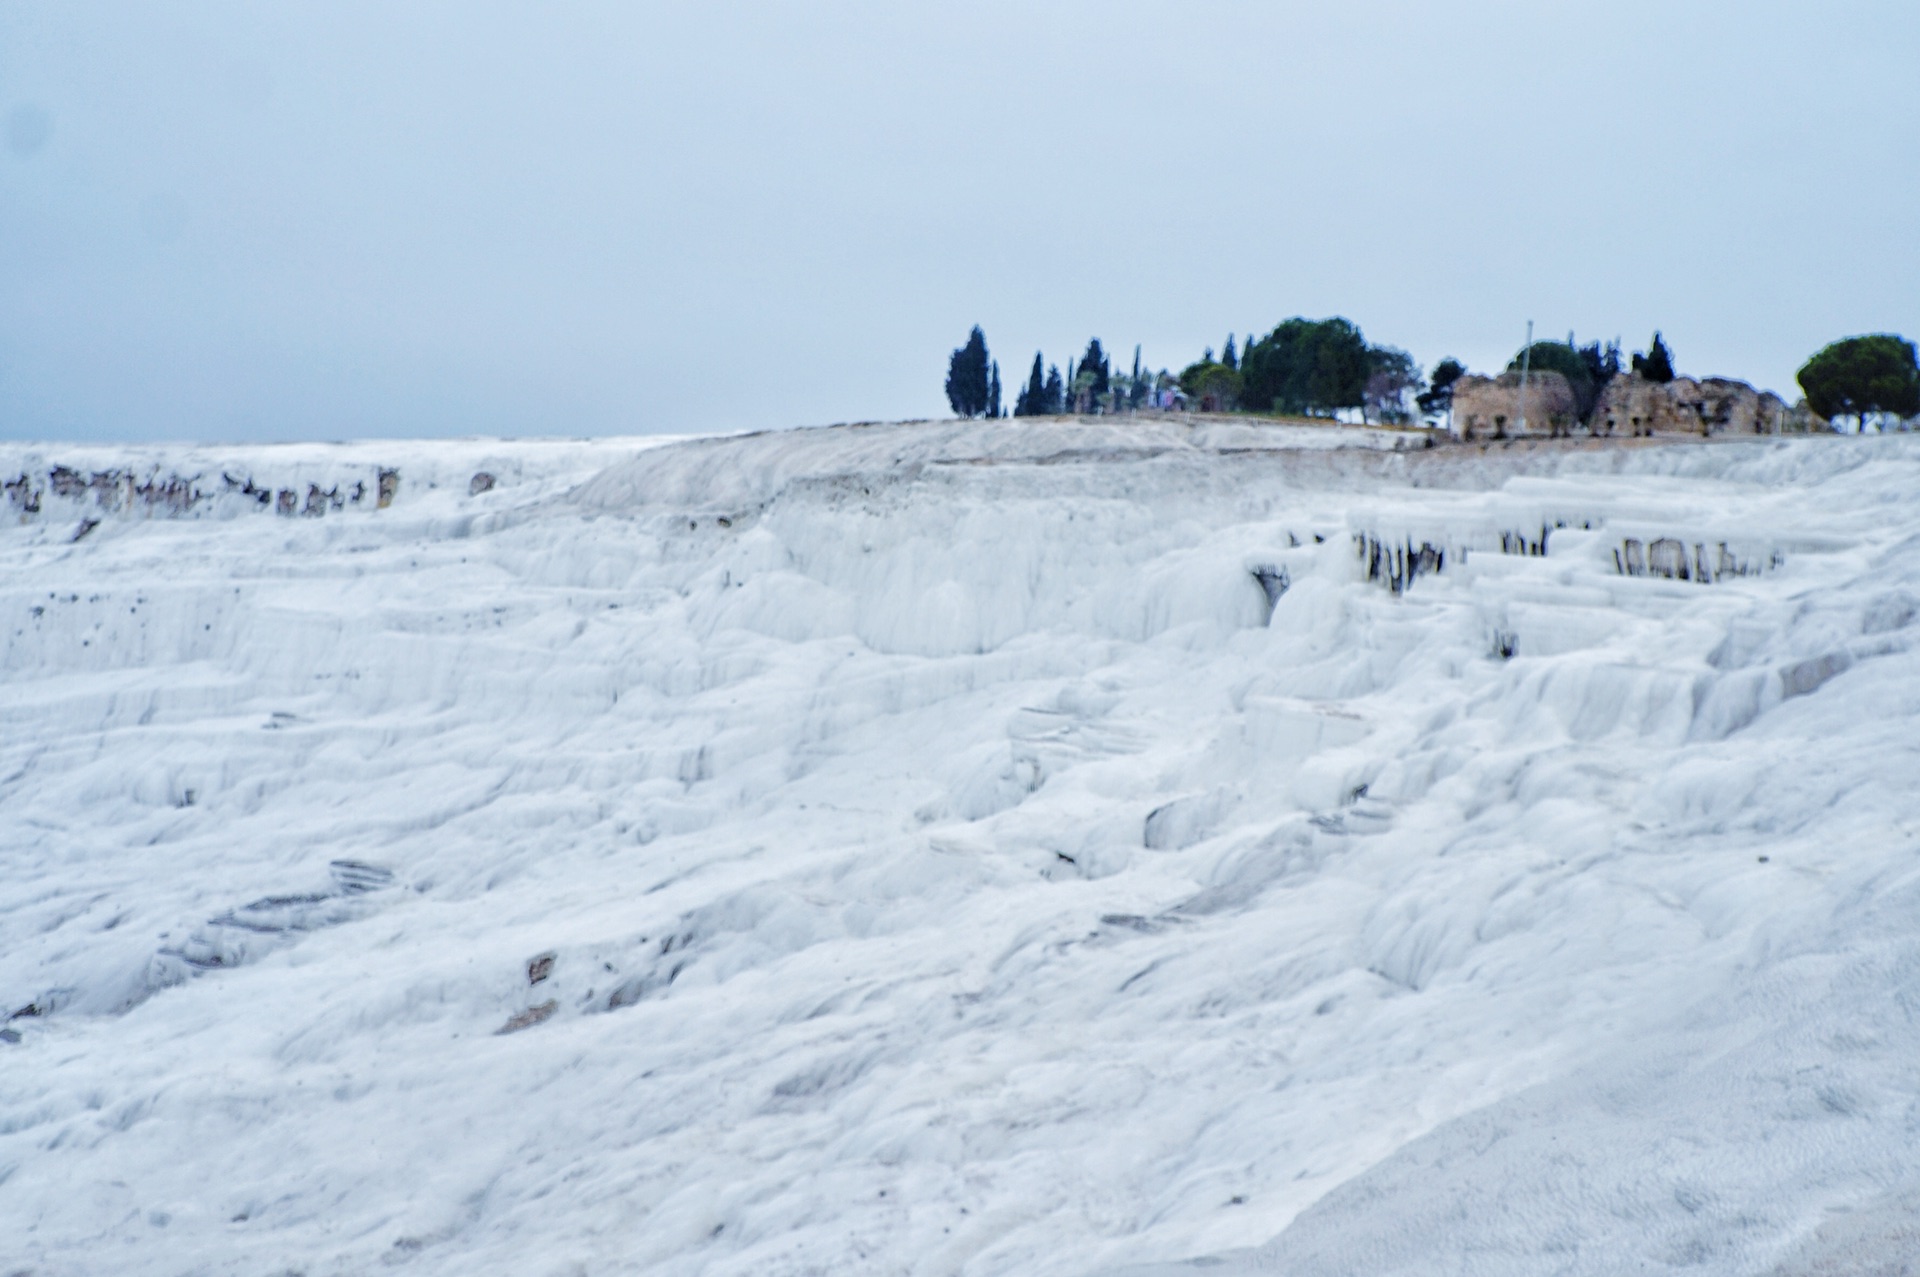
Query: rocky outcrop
[[1492, 407]]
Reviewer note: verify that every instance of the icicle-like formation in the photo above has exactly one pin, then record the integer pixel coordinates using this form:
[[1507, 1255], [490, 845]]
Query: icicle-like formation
[[1701, 560], [1398, 564]]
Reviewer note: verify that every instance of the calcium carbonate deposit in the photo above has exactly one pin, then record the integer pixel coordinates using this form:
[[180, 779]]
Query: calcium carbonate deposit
[[961, 848]]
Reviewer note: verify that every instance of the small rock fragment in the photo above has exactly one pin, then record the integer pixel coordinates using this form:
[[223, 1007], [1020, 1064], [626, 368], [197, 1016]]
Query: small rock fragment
[[529, 1017]]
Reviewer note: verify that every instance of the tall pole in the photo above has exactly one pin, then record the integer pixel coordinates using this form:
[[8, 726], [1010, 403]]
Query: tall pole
[[1526, 365]]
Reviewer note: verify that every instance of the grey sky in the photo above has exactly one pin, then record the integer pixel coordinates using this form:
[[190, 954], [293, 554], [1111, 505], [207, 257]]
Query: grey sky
[[304, 220]]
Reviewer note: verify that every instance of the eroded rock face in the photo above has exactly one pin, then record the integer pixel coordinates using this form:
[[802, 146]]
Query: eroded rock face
[[1491, 407]]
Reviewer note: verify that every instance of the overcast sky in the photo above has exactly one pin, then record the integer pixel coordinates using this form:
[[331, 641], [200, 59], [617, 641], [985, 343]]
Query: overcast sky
[[337, 220]]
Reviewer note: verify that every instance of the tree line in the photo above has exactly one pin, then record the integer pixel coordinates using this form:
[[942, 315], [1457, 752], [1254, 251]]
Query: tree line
[[1091, 386], [1318, 368]]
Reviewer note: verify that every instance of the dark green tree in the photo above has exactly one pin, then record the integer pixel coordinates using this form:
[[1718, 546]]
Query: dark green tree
[[1095, 361], [1229, 356], [1438, 397], [1031, 400], [1053, 401], [1089, 381], [1859, 375], [1211, 386], [967, 376], [993, 390], [1603, 363], [1657, 363], [1306, 366]]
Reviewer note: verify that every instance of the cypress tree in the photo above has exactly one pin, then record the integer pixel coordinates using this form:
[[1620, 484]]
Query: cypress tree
[[1657, 363], [1053, 400], [1032, 399], [993, 390], [967, 380], [1095, 362], [1228, 356], [1091, 379]]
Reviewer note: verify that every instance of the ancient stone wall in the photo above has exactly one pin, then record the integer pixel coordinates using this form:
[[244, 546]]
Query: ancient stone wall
[[1633, 406], [1725, 406], [1489, 407]]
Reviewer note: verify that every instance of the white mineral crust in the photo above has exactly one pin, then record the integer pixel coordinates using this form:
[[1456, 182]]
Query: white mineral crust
[[999, 848]]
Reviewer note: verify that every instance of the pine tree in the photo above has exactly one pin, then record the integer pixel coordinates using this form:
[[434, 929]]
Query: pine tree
[[993, 391], [1438, 397], [967, 382], [1306, 366], [1229, 356], [1053, 400], [1879, 374]]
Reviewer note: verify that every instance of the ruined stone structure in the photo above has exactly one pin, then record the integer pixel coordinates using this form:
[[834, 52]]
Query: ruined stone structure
[[1733, 407], [1633, 406], [1490, 407], [1629, 406]]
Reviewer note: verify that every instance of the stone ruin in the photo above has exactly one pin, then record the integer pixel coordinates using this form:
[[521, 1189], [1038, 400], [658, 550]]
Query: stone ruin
[[1633, 406], [1492, 408], [1628, 406]]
